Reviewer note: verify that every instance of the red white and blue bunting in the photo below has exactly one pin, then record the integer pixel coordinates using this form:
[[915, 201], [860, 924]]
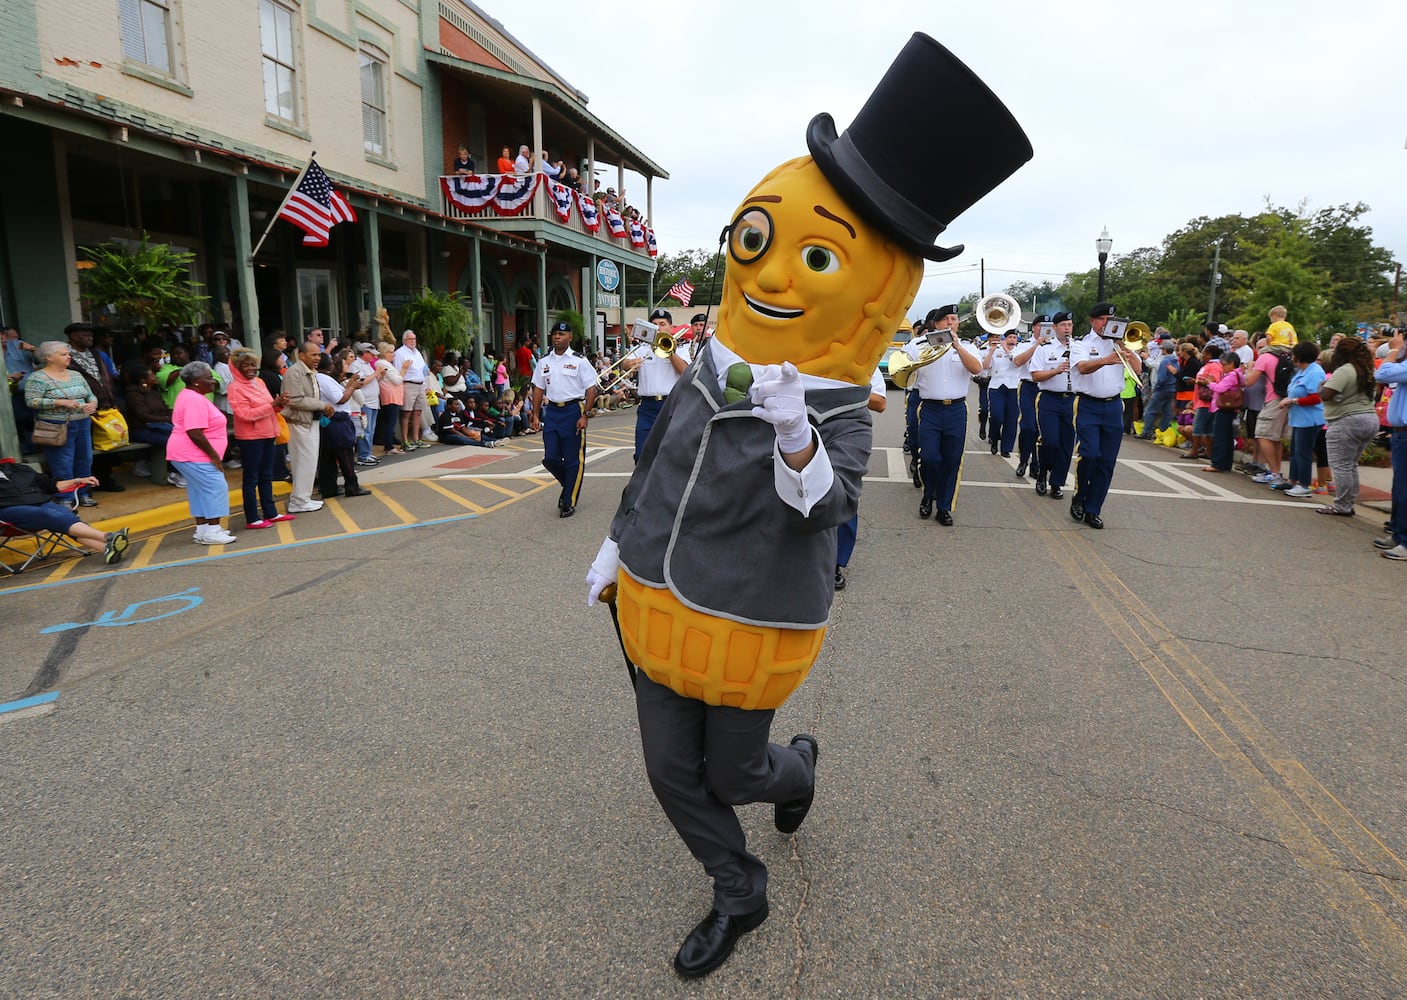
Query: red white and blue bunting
[[504, 194], [590, 217], [615, 225], [511, 194]]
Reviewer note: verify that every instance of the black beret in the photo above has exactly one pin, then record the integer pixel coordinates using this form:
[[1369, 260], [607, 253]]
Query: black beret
[[1039, 318], [699, 318], [936, 314], [561, 326], [1101, 309], [1062, 317], [661, 314]]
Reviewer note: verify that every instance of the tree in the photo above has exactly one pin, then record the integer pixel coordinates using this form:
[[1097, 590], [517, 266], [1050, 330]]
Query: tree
[[149, 284], [1283, 273]]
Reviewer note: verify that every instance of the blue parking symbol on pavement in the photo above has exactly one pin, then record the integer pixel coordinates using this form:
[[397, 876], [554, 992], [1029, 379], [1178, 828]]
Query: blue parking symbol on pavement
[[128, 616]]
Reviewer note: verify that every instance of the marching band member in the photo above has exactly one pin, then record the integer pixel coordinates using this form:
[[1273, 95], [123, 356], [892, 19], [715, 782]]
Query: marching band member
[[911, 401], [942, 415], [984, 345], [1005, 378], [849, 532], [1027, 453], [1099, 412], [655, 378], [568, 384], [1055, 407]]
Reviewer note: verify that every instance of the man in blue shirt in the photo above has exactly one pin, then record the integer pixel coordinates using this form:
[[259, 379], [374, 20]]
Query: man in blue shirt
[[1158, 415], [1393, 372]]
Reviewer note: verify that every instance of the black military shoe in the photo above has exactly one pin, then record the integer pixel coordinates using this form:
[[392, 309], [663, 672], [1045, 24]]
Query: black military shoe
[[711, 942], [925, 508], [1040, 486], [945, 519], [1094, 521], [1021, 469], [1077, 510], [1056, 493]]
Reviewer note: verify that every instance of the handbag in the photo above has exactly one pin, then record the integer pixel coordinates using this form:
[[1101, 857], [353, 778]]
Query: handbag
[[110, 430], [48, 434], [1232, 399], [282, 436], [1204, 393]]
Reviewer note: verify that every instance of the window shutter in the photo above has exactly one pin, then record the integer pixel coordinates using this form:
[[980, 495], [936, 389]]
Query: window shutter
[[129, 15]]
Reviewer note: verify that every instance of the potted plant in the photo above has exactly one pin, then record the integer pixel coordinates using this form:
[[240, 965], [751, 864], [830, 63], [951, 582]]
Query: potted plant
[[148, 284], [441, 321]]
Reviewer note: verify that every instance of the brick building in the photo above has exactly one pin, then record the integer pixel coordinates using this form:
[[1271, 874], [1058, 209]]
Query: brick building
[[190, 121]]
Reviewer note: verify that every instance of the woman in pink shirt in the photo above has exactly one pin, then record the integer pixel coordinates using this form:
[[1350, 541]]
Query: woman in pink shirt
[[255, 428], [198, 440], [1202, 416]]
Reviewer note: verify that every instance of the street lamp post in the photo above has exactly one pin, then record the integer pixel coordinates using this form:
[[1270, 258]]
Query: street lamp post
[[1102, 245]]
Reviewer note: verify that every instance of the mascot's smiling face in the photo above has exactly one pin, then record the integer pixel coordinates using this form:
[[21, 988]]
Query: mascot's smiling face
[[809, 281]]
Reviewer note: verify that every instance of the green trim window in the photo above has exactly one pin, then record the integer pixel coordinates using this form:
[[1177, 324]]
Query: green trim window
[[146, 33], [276, 28], [373, 76]]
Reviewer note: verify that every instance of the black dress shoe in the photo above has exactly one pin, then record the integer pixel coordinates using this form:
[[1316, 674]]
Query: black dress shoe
[[1040, 487], [1020, 469], [788, 815], [1094, 521], [913, 472], [106, 487], [925, 508], [994, 447], [1006, 454], [711, 942], [566, 512], [358, 493], [839, 579], [945, 519], [981, 432], [1077, 510], [1056, 493]]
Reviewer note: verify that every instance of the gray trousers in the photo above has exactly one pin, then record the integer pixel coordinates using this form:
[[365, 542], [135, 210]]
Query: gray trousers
[[1345, 440], [702, 761]]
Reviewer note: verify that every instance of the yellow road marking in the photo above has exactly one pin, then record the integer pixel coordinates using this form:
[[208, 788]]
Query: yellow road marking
[[285, 532], [406, 516], [148, 552], [454, 496], [348, 525], [1125, 615], [65, 567], [488, 484]]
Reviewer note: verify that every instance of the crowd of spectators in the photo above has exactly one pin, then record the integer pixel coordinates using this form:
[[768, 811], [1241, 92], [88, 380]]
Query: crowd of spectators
[[527, 162]]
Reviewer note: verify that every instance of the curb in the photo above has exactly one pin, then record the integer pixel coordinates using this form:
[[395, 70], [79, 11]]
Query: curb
[[172, 514]]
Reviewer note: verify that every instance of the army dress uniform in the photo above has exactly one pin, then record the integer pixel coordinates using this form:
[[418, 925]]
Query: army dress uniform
[[655, 380], [942, 388], [1099, 425], [1055, 415], [1002, 397], [568, 383]]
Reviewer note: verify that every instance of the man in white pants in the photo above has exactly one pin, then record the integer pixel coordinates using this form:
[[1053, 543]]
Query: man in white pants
[[305, 405]]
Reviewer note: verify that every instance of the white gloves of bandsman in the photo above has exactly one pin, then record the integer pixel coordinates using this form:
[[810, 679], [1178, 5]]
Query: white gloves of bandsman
[[779, 399], [604, 570]]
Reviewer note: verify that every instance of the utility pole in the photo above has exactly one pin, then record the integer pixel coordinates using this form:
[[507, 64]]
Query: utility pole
[[1216, 279], [1396, 302], [982, 280]]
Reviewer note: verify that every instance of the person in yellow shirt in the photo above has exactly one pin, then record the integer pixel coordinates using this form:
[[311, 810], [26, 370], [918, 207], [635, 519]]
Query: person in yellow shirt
[[1280, 333]]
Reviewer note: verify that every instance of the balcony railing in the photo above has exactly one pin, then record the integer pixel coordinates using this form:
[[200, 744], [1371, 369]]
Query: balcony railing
[[495, 198]]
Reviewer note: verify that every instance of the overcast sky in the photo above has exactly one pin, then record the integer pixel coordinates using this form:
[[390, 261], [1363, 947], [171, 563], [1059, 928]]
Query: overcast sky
[[1142, 115]]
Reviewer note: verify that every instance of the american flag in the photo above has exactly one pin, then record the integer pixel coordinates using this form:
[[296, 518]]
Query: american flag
[[314, 206], [683, 291]]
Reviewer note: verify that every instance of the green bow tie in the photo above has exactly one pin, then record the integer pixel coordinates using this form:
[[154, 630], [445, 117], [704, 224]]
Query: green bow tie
[[739, 381]]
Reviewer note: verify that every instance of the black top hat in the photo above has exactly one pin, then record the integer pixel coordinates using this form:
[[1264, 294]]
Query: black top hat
[[1101, 309], [913, 198]]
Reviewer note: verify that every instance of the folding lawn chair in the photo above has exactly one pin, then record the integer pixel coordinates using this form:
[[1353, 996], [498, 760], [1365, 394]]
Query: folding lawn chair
[[29, 547]]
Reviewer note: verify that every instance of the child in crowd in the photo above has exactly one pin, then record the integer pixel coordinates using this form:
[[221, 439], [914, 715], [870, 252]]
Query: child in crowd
[[452, 427]]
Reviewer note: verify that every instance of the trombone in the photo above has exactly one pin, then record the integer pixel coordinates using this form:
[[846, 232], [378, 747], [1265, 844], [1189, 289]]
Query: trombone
[[1131, 335]]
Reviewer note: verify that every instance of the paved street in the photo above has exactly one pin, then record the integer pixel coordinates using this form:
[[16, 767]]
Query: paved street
[[392, 753]]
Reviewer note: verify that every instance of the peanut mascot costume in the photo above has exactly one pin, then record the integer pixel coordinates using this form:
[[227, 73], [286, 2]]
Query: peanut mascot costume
[[722, 553]]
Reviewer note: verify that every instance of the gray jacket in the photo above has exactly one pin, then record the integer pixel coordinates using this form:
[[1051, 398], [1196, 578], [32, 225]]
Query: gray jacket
[[701, 515]]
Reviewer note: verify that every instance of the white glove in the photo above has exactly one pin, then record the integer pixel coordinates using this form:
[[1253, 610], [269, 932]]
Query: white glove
[[604, 570], [779, 399]]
